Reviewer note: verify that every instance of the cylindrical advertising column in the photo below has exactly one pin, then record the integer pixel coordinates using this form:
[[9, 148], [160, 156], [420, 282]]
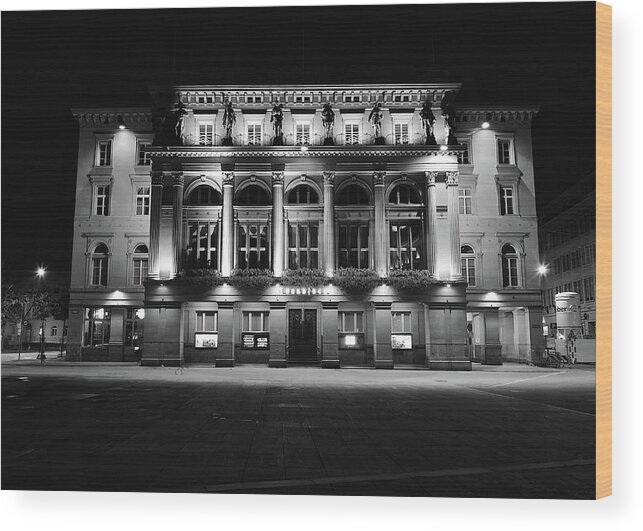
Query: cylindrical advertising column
[[568, 318]]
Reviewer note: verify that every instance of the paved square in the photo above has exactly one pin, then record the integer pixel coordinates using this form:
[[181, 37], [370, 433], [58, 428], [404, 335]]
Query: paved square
[[510, 431]]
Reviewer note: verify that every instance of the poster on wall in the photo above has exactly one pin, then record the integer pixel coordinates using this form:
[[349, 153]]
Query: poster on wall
[[206, 340], [402, 341]]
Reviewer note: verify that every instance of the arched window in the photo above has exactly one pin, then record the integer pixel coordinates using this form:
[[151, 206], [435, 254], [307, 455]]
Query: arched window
[[204, 195], [404, 194], [140, 264], [303, 194], [100, 261], [510, 278], [468, 261], [253, 194], [353, 194]]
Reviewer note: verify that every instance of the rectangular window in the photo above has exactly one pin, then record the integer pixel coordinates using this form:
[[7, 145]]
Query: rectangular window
[[353, 245], [576, 286], [464, 198], [207, 322], [405, 242], [104, 157], [254, 134], [143, 158], [468, 266], [400, 322], [254, 99], [96, 327], [203, 242], [464, 156], [99, 271], [506, 201], [206, 134], [140, 271], [254, 251], [134, 328], [352, 98], [588, 288], [303, 245], [351, 133], [504, 151], [143, 201], [351, 321], [509, 272], [255, 322], [401, 133], [302, 134], [302, 99], [101, 200]]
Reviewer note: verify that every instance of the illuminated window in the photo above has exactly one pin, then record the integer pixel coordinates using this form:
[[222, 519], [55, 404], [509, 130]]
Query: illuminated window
[[353, 245], [253, 246], [506, 201], [104, 153], [203, 243], [468, 262], [204, 195], [303, 245], [254, 134], [54, 331], [302, 134], [140, 265], [400, 322], [255, 322], [464, 157], [99, 264], [405, 239], [464, 200], [134, 327], [96, 327], [510, 277], [142, 200], [101, 199], [505, 151], [143, 158], [206, 322], [404, 194], [401, 133], [351, 321], [206, 134], [351, 133]]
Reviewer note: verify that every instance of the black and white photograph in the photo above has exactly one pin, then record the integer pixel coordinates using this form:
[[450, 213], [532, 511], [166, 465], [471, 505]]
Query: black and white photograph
[[333, 250]]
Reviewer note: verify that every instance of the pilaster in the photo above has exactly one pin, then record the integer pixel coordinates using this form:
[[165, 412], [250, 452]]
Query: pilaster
[[227, 222], [329, 222], [278, 223], [453, 213], [156, 197], [380, 236]]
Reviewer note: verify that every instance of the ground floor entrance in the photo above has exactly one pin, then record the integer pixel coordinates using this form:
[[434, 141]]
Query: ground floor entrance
[[303, 344]]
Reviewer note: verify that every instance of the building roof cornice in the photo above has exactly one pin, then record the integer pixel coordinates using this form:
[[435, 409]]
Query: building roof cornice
[[109, 116], [497, 114]]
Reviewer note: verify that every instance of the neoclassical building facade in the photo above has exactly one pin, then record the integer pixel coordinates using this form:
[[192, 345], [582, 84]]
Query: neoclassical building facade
[[371, 226]]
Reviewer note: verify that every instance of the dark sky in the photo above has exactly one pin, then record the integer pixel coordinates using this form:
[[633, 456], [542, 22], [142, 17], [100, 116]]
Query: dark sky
[[508, 54]]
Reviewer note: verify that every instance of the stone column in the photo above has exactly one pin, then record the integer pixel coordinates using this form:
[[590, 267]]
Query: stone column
[[380, 236], [178, 181], [156, 197], [453, 211], [277, 223], [227, 222], [329, 222], [431, 223]]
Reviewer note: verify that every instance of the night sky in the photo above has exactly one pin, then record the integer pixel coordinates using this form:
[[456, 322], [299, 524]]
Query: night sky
[[508, 54]]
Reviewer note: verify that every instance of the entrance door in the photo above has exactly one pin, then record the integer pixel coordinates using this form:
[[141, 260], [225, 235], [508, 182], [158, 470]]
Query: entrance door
[[302, 335]]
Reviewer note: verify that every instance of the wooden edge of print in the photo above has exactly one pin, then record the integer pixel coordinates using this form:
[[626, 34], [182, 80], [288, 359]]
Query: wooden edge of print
[[604, 250]]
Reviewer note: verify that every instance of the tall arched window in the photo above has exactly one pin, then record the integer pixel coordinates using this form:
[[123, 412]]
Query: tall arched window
[[204, 195], [99, 264], [404, 194], [253, 194], [468, 261], [510, 277], [302, 194], [353, 194], [140, 264]]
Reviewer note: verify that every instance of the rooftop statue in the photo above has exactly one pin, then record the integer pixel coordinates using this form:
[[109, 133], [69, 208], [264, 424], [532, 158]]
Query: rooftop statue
[[328, 120], [448, 113], [428, 120], [180, 112], [375, 118], [277, 120], [229, 119]]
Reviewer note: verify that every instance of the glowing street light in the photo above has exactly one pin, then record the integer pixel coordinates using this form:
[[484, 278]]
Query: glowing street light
[[543, 270], [40, 272], [485, 125]]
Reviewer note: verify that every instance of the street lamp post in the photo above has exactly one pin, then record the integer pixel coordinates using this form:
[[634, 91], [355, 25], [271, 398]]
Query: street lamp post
[[40, 272]]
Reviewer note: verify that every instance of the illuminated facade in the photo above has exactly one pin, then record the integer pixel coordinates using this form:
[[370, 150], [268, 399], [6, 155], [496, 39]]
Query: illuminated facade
[[184, 210]]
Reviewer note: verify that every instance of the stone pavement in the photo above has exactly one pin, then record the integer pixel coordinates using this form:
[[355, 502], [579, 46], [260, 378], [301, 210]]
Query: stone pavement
[[510, 431]]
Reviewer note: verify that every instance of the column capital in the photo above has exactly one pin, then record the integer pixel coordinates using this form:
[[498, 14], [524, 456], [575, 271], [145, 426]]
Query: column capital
[[452, 178], [157, 178], [430, 177], [178, 179], [228, 178], [277, 178], [379, 178], [329, 178]]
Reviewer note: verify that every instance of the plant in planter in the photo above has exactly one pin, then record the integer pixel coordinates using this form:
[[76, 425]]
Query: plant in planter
[[304, 277], [409, 279], [251, 278], [200, 276], [353, 280]]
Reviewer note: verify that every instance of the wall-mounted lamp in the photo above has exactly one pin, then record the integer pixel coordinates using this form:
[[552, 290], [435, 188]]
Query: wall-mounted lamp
[[485, 125], [121, 122]]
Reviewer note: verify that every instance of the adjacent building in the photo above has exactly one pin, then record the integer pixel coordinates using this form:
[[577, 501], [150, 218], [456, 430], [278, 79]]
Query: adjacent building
[[368, 225]]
